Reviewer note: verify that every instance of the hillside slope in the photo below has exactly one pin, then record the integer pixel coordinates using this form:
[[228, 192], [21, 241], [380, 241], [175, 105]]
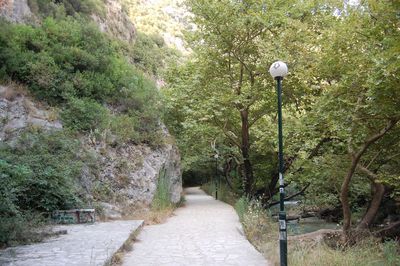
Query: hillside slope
[[80, 114]]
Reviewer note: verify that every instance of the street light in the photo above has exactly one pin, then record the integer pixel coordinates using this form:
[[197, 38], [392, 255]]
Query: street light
[[278, 70], [216, 175]]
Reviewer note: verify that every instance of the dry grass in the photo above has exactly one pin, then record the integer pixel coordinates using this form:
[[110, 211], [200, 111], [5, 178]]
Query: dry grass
[[12, 90], [262, 232], [118, 256], [366, 254]]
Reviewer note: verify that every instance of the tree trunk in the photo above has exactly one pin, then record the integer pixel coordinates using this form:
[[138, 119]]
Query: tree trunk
[[227, 172], [355, 158], [378, 191], [344, 195], [247, 169]]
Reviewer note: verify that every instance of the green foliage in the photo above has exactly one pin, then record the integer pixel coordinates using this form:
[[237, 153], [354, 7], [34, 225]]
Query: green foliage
[[342, 89], [241, 207], [125, 128], [391, 252], [162, 197], [68, 62], [38, 173], [17, 229], [84, 115], [71, 7], [147, 53]]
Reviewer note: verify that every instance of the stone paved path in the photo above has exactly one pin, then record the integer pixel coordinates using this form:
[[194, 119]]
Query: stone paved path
[[203, 232], [83, 245]]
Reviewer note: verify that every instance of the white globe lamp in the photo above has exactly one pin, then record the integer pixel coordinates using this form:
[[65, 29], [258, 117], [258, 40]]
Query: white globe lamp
[[278, 69]]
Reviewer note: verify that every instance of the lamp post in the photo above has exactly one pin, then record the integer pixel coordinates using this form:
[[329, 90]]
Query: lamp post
[[278, 70], [216, 176]]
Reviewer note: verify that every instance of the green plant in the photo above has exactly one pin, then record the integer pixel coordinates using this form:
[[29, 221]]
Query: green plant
[[71, 7], [69, 63], [84, 115], [39, 173], [391, 252], [125, 128], [241, 207], [162, 198], [21, 228]]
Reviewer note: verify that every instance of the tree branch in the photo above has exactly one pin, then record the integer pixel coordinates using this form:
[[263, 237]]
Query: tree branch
[[291, 196]]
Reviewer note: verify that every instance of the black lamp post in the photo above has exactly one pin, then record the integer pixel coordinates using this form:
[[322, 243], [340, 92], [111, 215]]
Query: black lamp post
[[216, 176], [278, 70]]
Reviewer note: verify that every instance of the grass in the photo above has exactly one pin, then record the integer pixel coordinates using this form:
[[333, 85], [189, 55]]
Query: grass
[[367, 253], [162, 207], [160, 210], [224, 192], [262, 231], [118, 256]]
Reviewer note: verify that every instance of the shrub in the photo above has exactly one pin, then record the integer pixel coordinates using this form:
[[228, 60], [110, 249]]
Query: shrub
[[38, 173], [69, 62], [18, 229], [241, 207], [391, 252], [72, 7], [162, 197], [84, 115], [124, 127]]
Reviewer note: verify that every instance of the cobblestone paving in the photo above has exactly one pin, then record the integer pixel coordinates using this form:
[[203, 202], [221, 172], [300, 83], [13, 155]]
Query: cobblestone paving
[[83, 245], [203, 232]]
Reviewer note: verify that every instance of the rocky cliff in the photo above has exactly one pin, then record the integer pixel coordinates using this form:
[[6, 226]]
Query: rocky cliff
[[15, 10], [116, 21], [127, 174]]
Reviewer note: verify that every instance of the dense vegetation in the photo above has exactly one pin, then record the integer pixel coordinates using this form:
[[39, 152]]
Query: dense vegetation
[[341, 104], [97, 85]]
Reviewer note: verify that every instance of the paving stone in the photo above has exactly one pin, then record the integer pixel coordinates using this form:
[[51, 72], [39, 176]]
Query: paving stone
[[83, 245], [203, 232]]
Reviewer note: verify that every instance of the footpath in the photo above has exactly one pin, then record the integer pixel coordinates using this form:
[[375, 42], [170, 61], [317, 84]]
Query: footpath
[[202, 232], [83, 245]]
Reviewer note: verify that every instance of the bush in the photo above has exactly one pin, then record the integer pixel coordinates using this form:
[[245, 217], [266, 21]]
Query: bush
[[391, 252], [84, 115], [72, 7], [38, 174], [18, 229], [125, 128], [241, 207], [68, 62]]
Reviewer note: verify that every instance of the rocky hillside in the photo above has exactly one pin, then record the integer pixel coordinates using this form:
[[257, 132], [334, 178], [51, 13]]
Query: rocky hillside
[[128, 173], [168, 18], [80, 112]]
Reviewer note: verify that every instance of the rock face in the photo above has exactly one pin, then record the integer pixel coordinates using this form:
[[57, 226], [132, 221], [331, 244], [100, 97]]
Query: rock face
[[116, 22], [127, 175], [131, 173], [15, 10], [18, 112]]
